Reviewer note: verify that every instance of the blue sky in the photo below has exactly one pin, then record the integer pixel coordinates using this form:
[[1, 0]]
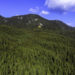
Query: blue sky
[[63, 10]]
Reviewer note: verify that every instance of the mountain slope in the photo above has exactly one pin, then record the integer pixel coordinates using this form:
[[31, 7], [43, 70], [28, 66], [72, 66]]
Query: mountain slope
[[31, 46], [32, 21], [28, 52]]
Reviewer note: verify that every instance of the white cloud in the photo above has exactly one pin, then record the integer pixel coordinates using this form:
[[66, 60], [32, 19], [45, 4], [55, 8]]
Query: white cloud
[[45, 12], [36, 9], [63, 4]]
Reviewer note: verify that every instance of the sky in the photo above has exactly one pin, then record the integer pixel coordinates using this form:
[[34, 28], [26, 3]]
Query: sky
[[63, 10]]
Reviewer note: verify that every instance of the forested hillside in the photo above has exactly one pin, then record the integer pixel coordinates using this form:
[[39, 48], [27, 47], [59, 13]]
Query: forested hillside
[[36, 50]]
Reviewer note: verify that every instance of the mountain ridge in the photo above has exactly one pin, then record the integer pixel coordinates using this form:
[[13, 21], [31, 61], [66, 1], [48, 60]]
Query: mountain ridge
[[33, 20]]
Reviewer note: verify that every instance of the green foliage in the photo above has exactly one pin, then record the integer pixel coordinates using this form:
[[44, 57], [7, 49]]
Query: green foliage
[[36, 52]]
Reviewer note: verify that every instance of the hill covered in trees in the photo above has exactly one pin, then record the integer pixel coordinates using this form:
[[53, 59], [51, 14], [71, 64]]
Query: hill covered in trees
[[32, 21], [31, 45]]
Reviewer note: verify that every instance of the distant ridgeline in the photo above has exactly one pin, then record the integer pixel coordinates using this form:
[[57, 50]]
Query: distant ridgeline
[[32, 21]]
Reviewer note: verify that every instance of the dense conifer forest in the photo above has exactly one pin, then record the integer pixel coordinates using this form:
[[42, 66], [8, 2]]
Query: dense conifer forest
[[36, 49]]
